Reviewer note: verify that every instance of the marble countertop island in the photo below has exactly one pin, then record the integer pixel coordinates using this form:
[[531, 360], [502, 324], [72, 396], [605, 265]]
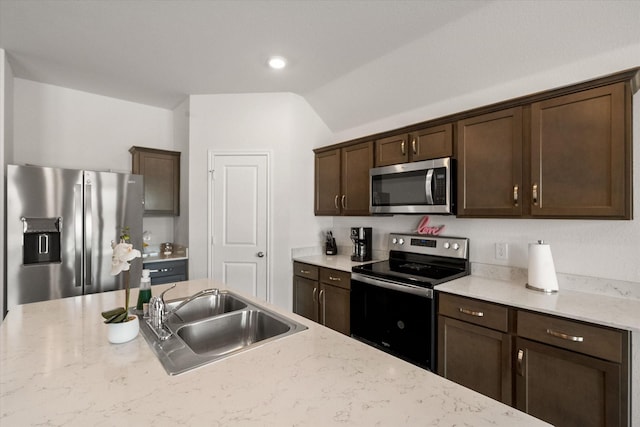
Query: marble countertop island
[[57, 368]]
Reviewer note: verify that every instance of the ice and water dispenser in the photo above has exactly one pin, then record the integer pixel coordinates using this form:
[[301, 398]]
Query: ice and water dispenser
[[41, 237]]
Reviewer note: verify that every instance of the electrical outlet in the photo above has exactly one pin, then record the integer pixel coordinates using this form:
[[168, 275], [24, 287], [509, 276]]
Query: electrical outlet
[[502, 251]]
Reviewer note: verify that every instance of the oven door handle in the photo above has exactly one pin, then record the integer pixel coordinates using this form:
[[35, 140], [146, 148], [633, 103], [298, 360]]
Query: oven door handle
[[401, 287]]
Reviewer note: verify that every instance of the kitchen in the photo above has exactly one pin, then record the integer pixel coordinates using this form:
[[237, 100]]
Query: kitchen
[[601, 249]]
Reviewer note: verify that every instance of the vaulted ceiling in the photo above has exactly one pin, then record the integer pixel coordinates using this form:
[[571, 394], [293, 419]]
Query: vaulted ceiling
[[353, 60]]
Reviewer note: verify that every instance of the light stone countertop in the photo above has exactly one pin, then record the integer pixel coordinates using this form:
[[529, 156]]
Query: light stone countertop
[[616, 312], [57, 368], [337, 262]]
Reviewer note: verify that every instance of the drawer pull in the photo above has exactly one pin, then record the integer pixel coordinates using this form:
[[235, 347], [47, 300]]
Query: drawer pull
[[334, 279], [520, 360], [471, 312], [564, 336], [305, 272]]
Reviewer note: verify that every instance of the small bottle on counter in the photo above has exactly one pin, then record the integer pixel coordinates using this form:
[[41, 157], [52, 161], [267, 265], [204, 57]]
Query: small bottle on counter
[[144, 294]]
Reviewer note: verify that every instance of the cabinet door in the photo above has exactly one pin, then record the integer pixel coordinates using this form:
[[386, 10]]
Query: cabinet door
[[431, 143], [580, 162], [327, 183], [335, 308], [392, 150], [567, 388], [475, 357], [490, 164], [305, 298], [161, 170], [356, 162]]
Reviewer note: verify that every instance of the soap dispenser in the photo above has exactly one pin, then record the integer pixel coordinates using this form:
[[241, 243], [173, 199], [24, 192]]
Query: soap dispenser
[[144, 294]]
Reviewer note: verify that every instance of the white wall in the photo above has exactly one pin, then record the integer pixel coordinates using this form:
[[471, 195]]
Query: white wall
[[60, 127], [181, 143], [282, 124], [6, 138]]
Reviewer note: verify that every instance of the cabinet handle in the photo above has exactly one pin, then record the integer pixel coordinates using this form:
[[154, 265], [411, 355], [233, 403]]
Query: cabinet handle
[[305, 271], [413, 146], [520, 362], [534, 192], [402, 148], [564, 336], [335, 279], [323, 306], [315, 291], [515, 195], [335, 201], [471, 312], [342, 201]]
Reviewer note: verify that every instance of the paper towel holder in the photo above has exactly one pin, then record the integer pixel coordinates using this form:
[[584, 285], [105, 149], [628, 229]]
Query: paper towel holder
[[547, 290]]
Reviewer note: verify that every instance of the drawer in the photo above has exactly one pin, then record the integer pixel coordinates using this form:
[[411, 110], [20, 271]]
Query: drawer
[[341, 279], [589, 339], [305, 270], [474, 311], [166, 269]]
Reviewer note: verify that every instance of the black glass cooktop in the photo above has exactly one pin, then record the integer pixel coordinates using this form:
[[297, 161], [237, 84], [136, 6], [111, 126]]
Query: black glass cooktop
[[420, 270]]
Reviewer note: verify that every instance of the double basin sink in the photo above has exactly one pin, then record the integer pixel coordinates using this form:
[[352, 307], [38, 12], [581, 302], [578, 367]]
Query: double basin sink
[[212, 327]]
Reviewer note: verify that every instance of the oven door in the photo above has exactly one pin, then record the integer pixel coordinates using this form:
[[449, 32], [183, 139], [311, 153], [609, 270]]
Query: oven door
[[393, 317]]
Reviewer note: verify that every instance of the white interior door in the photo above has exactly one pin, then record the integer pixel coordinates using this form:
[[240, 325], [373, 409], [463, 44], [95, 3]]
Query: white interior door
[[238, 217]]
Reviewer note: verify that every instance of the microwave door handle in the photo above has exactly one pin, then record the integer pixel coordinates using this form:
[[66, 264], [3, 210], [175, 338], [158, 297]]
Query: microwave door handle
[[427, 187]]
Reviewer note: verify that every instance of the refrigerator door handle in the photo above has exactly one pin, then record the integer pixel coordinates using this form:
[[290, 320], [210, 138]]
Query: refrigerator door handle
[[78, 234], [88, 229]]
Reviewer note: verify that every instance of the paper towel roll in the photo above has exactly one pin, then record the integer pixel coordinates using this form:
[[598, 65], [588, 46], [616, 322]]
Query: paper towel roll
[[542, 272]]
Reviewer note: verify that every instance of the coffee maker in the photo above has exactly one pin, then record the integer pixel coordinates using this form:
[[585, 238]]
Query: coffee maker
[[361, 238]]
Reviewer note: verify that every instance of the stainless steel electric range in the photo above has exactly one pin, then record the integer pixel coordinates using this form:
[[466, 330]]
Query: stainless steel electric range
[[393, 306]]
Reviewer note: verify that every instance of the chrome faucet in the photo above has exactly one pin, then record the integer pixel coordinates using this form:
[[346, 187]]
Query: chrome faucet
[[212, 291], [158, 315]]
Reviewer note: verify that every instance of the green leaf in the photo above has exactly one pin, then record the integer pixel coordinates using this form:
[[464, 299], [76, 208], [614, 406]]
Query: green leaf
[[111, 314]]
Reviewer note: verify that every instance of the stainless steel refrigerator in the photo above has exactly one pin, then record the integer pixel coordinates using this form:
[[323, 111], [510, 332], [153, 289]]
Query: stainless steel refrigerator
[[60, 225]]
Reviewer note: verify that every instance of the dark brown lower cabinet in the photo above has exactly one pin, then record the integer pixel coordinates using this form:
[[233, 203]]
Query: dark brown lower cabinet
[[475, 357], [565, 372], [566, 388], [474, 345], [322, 295], [335, 308]]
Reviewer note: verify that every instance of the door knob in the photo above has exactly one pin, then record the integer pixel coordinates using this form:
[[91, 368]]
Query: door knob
[[260, 254]]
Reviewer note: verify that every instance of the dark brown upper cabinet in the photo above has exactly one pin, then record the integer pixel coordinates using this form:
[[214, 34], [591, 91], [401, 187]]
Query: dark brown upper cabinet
[[423, 144], [161, 171], [561, 153], [580, 155], [342, 180], [563, 157], [490, 164]]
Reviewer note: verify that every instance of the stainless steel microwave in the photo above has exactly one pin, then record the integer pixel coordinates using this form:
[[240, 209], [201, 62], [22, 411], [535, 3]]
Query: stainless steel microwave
[[424, 187]]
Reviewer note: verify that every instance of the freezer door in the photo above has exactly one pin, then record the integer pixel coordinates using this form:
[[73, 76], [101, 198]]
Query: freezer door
[[44, 234], [113, 201]]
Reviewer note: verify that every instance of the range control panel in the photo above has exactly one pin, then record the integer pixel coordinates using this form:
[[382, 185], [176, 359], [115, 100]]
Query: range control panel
[[454, 247]]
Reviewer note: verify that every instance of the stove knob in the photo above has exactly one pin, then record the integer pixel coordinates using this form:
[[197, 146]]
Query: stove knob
[[446, 245], [394, 240], [456, 246], [401, 241]]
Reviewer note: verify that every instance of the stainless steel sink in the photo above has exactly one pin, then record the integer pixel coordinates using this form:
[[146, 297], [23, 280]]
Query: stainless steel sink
[[226, 334], [204, 307], [213, 327]]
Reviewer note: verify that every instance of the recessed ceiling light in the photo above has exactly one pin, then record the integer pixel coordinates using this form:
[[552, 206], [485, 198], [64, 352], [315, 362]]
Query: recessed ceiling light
[[277, 62]]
